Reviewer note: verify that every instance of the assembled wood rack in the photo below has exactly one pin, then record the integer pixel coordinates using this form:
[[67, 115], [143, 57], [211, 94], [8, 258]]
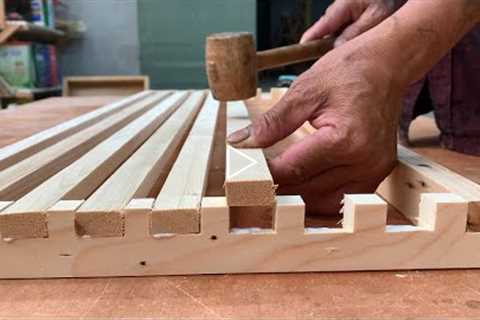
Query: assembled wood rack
[[136, 188]]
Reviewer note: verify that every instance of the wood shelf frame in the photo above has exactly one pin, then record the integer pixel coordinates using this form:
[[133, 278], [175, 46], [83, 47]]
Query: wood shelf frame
[[97, 215]]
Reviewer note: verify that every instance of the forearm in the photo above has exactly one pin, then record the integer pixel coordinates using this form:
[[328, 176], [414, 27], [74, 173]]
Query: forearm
[[418, 35]]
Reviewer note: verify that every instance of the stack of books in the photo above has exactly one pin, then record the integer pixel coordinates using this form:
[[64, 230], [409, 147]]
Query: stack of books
[[28, 64]]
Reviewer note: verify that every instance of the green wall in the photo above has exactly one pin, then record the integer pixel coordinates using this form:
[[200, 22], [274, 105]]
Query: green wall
[[172, 36]]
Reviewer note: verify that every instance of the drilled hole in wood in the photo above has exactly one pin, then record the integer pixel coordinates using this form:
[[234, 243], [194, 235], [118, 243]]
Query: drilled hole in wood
[[213, 237], [143, 263]]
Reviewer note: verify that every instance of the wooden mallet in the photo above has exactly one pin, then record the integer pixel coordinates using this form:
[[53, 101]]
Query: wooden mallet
[[232, 62]]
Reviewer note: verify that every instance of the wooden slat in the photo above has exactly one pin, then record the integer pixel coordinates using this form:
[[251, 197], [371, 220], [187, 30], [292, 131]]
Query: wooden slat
[[248, 181], [26, 218], [22, 177], [25, 148], [177, 206], [100, 215], [416, 175]]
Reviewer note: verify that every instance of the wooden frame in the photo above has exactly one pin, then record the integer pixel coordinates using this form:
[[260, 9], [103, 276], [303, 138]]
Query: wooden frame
[[104, 85], [136, 204]]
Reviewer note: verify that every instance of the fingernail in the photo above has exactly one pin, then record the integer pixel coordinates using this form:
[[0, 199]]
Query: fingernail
[[239, 136]]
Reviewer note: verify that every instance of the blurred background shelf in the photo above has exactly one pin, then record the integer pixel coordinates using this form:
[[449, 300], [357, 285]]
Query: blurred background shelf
[[29, 35], [37, 93], [27, 31]]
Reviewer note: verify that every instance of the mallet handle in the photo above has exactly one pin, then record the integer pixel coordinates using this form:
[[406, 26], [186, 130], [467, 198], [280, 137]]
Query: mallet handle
[[287, 55]]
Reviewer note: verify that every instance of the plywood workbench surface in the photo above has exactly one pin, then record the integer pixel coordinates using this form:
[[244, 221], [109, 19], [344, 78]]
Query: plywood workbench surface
[[278, 296]]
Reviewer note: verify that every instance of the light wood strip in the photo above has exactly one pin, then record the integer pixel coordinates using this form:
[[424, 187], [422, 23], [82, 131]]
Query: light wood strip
[[248, 181], [100, 215], [20, 150], [26, 217], [416, 175], [362, 243], [177, 206], [19, 179]]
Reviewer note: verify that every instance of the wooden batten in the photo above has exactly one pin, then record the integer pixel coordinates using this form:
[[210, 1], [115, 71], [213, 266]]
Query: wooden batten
[[26, 217], [248, 180], [101, 215], [16, 152], [415, 175], [177, 206], [19, 179]]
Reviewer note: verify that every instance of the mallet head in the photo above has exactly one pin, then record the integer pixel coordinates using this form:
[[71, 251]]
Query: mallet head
[[231, 66]]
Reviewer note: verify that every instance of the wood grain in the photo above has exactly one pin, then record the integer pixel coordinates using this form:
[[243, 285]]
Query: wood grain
[[177, 206], [364, 242], [101, 215], [25, 148], [436, 294], [416, 175], [248, 180], [19, 179], [26, 217]]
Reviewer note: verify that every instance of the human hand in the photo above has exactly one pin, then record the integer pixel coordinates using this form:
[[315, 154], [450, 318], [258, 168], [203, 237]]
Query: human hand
[[353, 16], [353, 102]]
